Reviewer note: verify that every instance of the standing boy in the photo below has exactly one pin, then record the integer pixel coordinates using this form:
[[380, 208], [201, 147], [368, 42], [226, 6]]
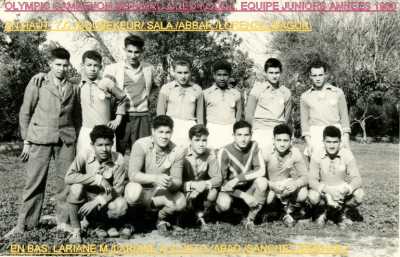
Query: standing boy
[[201, 174], [268, 105], [335, 182], [320, 106], [223, 106], [155, 173], [243, 170], [286, 173], [48, 128], [182, 100], [135, 77]]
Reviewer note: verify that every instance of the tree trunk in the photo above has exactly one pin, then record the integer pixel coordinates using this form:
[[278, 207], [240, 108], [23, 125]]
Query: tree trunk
[[364, 130]]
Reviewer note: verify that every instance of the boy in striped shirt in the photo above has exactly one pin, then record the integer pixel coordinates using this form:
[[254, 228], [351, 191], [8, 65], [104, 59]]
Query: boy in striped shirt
[[243, 170]]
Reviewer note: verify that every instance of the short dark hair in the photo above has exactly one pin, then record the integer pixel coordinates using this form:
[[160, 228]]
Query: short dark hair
[[182, 61], [318, 64], [59, 53], [135, 41], [162, 121], [222, 65], [101, 131], [93, 55], [272, 63], [332, 131], [198, 131], [282, 129], [241, 124]]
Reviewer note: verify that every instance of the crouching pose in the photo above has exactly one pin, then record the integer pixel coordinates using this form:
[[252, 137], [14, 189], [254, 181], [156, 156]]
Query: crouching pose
[[201, 174], [286, 172], [155, 173], [334, 179], [96, 180], [243, 169]]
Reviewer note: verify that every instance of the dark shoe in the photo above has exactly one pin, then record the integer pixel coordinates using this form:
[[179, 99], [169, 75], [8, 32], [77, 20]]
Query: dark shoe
[[127, 231], [100, 232]]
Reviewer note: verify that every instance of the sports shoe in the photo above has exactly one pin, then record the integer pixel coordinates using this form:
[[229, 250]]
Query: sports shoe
[[321, 220], [288, 220], [163, 226], [75, 237], [100, 232], [344, 221], [126, 231], [113, 232], [248, 224]]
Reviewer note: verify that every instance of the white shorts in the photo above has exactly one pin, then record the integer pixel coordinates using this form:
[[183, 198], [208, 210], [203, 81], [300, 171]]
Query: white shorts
[[264, 139], [316, 135], [84, 141], [180, 135], [220, 135]]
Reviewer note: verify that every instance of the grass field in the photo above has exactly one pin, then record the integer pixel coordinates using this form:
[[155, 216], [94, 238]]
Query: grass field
[[376, 235]]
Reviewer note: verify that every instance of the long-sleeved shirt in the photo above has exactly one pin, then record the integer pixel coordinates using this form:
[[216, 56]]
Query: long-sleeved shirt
[[202, 167], [341, 169], [180, 102], [268, 106], [223, 106], [323, 107], [147, 158], [95, 100], [88, 171], [291, 165], [245, 165]]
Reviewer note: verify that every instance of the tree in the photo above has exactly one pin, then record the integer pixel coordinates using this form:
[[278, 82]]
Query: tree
[[20, 59]]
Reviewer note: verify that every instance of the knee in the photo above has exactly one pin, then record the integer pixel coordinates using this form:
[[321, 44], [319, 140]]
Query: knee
[[117, 208], [261, 184], [212, 195], [180, 202], [314, 197], [132, 192], [302, 195], [75, 194], [357, 197], [223, 202]]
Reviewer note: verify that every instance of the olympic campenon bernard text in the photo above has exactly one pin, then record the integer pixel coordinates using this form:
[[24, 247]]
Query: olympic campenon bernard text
[[177, 249], [156, 25]]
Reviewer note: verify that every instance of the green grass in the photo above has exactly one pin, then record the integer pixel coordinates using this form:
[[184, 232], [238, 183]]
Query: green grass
[[379, 167]]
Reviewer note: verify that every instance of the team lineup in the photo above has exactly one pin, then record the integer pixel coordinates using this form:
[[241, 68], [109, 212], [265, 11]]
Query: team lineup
[[204, 150]]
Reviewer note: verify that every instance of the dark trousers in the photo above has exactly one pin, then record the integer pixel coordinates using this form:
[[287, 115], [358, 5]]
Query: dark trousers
[[131, 129], [37, 169]]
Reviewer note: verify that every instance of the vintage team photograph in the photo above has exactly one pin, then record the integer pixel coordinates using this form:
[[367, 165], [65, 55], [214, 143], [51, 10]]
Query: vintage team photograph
[[239, 140]]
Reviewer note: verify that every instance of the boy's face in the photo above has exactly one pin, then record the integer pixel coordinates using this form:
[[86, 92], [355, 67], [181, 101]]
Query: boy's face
[[273, 75], [102, 148], [199, 144], [221, 78], [332, 145], [242, 137], [59, 67], [182, 74], [133, 55], [162, 136], [282, 142], [318, 77], [91, 68]]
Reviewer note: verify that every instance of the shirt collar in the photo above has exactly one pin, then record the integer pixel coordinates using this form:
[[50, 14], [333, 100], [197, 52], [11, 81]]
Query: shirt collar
[[152, 144], [190, 152], [85, 80], [176, 84], [326, 155], [53, 79], [129, 67], [274, 151], [92, 157], [325, 86]]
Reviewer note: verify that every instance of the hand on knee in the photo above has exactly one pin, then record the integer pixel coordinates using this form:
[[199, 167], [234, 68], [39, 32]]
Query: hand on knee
[[223, 202]]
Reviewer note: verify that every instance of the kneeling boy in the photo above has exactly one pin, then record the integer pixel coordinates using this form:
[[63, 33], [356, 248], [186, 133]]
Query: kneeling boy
[[155, 173], [243, 169], [334, 179], [96, 180], [286, 172], [201, 174]]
